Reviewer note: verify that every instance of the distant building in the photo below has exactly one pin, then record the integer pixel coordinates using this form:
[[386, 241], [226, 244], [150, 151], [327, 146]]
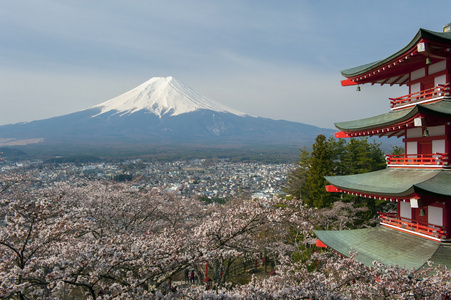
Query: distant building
[[91, 170], [419, 180], [261, 195]]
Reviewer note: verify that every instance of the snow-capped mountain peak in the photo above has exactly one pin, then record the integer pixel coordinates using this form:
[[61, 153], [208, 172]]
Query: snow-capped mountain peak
[[162, 96]]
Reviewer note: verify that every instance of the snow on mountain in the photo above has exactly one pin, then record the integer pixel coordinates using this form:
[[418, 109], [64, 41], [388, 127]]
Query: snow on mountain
[[162, 96], [159, 113]]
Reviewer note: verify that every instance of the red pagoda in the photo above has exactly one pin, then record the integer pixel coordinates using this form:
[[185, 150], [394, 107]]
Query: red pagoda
[[419, 180]]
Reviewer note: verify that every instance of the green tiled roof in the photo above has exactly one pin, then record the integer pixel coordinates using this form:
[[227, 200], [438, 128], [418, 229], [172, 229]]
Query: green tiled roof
[[387, 246], [439, 185], [396, 182], [441, 108], [443, 255], [443, 37], [375, 122]]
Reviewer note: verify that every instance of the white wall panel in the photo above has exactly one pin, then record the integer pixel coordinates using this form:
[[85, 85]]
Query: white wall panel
[[414, 133], [435, 215], [436, 130], [438, 146], [412, 148], [440, 80], [405, 210], [437, 67], [417, 74], [415, 88]]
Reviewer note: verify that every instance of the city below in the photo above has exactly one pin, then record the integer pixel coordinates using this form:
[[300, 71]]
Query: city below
[[217, 179]]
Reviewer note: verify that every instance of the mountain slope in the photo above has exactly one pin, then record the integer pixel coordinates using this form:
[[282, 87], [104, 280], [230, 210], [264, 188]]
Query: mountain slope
[[162, 96], [158, 112]]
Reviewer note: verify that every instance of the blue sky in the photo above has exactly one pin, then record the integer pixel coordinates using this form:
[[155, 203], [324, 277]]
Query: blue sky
[[276, 59]]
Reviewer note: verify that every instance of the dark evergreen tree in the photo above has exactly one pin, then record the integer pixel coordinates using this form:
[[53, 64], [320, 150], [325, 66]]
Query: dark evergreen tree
[[356, 156], [396, 150], [335, 157], [296, 177], [313, 191]]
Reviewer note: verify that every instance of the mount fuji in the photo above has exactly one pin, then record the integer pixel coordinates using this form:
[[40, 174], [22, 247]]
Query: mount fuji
[[161, 111], [162, 96]]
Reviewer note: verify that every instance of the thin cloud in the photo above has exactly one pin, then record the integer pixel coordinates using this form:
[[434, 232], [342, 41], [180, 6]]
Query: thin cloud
[[279, 60]]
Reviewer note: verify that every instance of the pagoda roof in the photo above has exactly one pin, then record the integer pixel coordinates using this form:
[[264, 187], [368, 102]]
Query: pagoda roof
[[397, 117], [395, 183], [388, 246], [395, 68]]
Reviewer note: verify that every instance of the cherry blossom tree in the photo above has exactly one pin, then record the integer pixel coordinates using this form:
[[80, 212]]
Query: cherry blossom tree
[[336, 277], [98, 239], [342, 215], [240, 229], [136, 240], [34, 224]]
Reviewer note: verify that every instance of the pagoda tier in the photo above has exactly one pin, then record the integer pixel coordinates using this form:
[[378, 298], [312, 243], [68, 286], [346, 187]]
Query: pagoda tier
[[427, 47], [395, 184], [426, 130], [395, 123], [423, 197]]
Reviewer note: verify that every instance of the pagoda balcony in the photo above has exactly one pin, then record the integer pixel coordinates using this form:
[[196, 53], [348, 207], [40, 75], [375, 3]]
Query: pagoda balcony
[[429, 161], [426, 230], [426, 96]]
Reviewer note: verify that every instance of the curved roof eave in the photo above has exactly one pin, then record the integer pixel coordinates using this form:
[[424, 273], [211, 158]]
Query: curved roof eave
[[437, 185], [441, 108], [386, 119], [376, 244], [395, 182], [444, 37]]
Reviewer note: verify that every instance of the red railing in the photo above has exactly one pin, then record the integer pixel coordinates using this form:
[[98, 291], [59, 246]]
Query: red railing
[[438, 232], [437, 92], [426, 160]]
